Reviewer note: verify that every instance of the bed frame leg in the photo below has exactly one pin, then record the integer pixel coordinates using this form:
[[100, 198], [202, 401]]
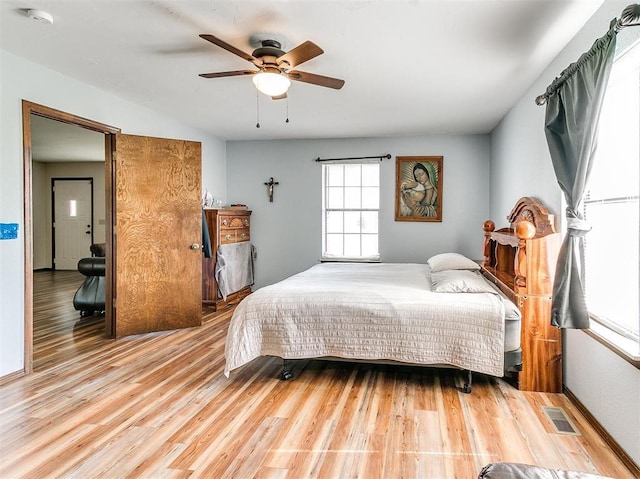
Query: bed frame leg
[[286, 373], [467, 385]]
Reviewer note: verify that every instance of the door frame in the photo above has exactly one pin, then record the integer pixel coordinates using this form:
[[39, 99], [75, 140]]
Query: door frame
[[29, 108], [53, 213]]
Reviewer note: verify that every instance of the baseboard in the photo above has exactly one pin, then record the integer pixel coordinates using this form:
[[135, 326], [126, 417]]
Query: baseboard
[[611, 442], [11, 377]]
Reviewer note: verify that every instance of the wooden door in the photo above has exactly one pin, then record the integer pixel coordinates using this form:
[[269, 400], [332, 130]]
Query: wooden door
[[157, 261]]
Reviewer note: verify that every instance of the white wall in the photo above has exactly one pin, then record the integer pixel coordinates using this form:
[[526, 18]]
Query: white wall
[[20, 79], [520, 166], [287, 233]]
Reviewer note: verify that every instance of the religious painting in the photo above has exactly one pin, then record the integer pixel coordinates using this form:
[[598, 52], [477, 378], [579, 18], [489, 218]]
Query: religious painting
[[419, 188]]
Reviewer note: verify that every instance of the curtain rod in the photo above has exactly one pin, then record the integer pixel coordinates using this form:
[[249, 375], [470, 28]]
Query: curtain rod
[[380, 157], [630, 17]]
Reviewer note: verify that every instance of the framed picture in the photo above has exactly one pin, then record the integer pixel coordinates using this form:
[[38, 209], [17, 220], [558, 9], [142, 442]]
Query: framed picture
[[419, 188]]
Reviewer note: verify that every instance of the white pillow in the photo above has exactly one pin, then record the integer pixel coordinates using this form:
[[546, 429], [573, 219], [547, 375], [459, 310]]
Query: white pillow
[[460, 281], [447, 261]]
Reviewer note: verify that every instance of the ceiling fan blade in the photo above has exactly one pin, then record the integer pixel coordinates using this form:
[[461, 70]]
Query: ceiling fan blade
[[320, 80], [279, 97], [300, 54], [226, 46], [227, 74]]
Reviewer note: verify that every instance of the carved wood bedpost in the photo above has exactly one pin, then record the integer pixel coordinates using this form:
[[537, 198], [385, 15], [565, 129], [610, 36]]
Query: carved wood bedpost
[[524, 231], [488, 227]]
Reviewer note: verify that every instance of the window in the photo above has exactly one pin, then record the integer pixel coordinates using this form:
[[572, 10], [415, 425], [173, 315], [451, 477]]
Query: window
[[350, 204], [612, 247]]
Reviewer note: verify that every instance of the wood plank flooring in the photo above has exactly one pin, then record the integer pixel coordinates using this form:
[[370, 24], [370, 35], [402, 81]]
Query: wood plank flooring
[[59, 334], [157, 405]]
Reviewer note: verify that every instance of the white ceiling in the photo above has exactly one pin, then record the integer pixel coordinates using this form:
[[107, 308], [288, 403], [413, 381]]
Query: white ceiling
[[411, 67], [54, 141]]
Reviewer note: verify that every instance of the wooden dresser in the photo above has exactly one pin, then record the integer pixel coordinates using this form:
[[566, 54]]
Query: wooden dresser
[[225, 226], [521, 260]]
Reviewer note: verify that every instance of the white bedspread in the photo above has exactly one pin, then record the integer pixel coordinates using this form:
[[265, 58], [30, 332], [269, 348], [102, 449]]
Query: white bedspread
[[370, 312]]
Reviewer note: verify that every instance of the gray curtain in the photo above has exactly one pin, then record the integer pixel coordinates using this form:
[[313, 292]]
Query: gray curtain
[[574, 101]]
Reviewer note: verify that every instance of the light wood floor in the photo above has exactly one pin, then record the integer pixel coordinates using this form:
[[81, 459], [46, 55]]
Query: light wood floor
[[59, 334], [158, 405]]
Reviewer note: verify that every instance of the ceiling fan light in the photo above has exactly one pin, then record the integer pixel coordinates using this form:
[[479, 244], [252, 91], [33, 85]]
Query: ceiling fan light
[[271, 84]]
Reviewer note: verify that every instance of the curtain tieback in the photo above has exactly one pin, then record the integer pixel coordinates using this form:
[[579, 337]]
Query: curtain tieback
[[577, 226]]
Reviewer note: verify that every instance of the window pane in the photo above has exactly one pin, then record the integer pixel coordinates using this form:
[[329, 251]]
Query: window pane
[[609, 275], [370, 245], [335, 175], [334, 245], [343, 215], [618, 139], [352, 198], [369, 222], [618, 143], [335, 221], [352, 245], [371, 175], [335, 198], [352, 222], [352, 175], [371, 198]]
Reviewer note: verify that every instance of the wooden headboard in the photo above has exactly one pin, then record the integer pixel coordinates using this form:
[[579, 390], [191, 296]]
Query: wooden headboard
[[521, 260], [523, 266], [533, 211]]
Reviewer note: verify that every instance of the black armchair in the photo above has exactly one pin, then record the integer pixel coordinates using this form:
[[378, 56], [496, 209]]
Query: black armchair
[[98, 249], [90, 295]]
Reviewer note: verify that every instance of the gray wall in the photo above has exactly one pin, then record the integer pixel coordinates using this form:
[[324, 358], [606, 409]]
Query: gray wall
[[287, 233], [520, 165]]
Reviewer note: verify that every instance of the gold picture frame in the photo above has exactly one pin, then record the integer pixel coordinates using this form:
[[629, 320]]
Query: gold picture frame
[[419, 188]]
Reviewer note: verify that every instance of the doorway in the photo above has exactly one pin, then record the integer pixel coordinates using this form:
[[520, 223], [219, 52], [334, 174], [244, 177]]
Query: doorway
[[159, 230], [35, 216]]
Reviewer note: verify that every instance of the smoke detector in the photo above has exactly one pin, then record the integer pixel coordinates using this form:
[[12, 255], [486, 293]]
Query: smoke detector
[[40, 16]]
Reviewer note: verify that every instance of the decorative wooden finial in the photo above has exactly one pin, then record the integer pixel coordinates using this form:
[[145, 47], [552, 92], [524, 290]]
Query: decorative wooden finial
[[525, 230], [488, 226]]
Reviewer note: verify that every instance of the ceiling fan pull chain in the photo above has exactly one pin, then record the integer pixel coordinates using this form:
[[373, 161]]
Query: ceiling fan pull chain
[[287, 120], [257, 110]]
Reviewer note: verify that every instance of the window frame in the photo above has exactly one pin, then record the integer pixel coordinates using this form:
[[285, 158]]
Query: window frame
[[608, 332], [325, 257]]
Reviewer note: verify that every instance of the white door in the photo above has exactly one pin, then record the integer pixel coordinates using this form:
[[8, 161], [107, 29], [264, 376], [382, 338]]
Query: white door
[[72, 222]]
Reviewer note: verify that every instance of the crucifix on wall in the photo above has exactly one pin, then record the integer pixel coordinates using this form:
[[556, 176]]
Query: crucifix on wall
[[270, 184]]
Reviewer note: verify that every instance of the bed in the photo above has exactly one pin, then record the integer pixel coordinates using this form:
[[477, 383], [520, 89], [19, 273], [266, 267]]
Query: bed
[[441, 313]]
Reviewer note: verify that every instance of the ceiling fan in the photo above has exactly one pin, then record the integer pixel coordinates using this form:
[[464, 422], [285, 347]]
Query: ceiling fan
[[275, 66]]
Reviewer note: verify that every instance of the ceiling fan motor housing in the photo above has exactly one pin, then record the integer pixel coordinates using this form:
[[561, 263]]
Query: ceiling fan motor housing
[[270, 48]]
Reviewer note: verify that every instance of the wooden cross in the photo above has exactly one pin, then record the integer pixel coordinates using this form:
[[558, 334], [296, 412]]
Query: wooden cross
[[270, 184]]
